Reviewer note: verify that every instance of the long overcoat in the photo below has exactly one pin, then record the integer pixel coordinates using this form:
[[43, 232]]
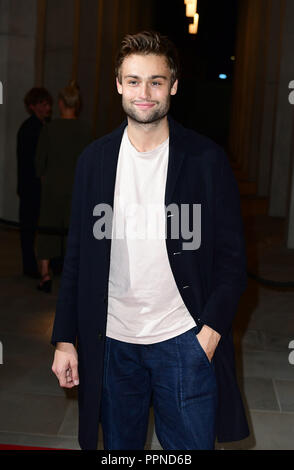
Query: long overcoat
[[210, 278]]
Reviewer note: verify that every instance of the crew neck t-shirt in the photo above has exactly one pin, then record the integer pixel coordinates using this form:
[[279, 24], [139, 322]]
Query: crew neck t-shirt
[[144, 303]]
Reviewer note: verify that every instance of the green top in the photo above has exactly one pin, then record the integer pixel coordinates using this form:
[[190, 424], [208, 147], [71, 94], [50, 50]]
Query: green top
[[60, 144]]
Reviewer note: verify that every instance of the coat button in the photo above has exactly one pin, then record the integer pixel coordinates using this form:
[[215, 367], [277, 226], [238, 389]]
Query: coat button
[[100, 336]]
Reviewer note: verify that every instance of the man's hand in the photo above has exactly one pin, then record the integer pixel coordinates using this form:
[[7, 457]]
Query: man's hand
[[208, 339], [65, 365]]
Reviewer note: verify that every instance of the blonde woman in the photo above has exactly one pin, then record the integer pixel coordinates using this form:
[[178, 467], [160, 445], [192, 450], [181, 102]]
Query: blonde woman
[[60, 144]]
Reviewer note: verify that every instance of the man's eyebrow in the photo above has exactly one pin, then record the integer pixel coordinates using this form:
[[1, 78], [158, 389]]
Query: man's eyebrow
[[152, 77], [158, 76]]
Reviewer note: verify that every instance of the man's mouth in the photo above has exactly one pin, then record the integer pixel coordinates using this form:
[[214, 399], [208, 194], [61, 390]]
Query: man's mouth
[[145, 105]]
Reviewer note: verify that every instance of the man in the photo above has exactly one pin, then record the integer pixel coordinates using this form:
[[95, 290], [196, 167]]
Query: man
[[38, 103], [152, 316]]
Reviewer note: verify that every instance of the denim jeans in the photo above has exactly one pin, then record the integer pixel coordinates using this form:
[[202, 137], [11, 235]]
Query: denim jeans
[[176, 377]]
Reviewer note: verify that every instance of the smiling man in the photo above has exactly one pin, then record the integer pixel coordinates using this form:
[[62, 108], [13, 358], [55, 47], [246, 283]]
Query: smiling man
[[146, 99], [152, 319]]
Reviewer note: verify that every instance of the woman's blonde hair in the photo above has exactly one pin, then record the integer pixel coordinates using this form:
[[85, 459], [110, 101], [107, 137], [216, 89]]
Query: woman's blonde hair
[[70, 95]]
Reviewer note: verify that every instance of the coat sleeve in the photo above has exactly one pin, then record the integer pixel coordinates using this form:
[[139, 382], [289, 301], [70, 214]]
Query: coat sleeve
[[230, 271], [65, 323]]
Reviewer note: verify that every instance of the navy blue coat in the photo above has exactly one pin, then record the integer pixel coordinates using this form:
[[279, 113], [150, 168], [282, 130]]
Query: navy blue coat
[[198, 173]]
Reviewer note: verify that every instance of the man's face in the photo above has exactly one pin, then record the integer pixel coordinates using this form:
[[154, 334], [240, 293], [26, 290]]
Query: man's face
[[42, 109], [146, 87]]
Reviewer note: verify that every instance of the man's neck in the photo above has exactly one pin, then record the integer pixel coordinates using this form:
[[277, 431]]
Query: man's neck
[[146, 137]]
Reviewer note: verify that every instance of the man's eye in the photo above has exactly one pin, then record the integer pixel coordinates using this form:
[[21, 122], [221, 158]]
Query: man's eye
[[156, 83], [133, 82]]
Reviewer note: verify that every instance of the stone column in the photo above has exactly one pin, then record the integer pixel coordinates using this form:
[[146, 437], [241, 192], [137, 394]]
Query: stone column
[[272, 53], [251, 58], [248, 31], [236, 106], [255, 81], [88, 59], [290, 215], [58, 50], [281, 164], [17, 74], [262, 15]]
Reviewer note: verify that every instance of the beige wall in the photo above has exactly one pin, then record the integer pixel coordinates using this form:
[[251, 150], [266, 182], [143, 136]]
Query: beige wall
[[48, 42], [17, 73]]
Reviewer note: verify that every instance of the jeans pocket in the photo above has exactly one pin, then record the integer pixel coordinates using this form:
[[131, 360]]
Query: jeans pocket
[[202, 350]]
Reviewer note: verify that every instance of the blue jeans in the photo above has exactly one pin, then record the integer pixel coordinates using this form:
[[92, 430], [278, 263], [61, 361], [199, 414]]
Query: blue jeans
[[176, 377]]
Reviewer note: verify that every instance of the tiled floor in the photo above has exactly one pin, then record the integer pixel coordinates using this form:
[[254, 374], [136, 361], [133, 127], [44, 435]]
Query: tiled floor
[[35, 411]]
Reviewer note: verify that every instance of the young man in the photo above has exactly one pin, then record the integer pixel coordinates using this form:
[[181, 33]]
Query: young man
[[38, 103], [152, 312]]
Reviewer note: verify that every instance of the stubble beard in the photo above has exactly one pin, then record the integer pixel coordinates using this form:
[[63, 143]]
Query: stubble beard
[[154, 116]]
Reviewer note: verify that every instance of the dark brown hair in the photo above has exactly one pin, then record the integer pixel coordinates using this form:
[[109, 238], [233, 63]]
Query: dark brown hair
[[36, 95], [148, 42]]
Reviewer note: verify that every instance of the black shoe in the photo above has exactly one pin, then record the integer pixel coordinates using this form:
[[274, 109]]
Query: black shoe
[[45, 286]]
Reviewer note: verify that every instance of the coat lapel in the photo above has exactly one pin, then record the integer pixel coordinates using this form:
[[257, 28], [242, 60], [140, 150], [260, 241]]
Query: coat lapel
[[176, 158], [109, 164]]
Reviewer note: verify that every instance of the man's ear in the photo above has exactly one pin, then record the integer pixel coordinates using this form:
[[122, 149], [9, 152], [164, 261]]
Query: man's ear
[[118, 86], [174, 88]]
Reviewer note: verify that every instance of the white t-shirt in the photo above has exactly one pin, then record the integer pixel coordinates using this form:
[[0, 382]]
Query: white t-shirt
[[144, 304]]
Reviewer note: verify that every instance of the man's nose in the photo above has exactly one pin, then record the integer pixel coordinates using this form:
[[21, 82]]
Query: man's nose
[[144, 91]]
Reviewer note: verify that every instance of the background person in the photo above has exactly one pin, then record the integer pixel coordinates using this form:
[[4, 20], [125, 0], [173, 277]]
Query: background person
[[59, 146], [38, 103]]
